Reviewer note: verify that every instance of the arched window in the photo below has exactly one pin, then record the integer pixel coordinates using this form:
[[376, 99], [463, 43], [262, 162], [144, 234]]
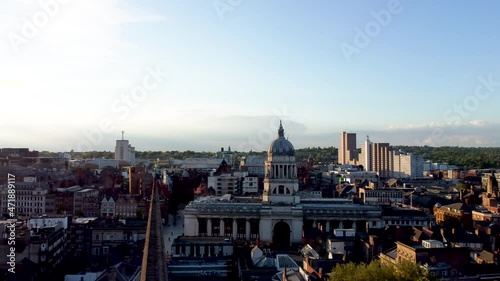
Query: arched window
[[287, 190], [274, 190], [281, 189]]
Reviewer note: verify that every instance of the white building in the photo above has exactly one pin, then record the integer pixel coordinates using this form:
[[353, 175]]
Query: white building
[[124, 151], [358, 176], [250, 185], [44, 221], [381, 196], [107, 207], [223, 184], [30, 198], [366, 155], [408, 165], [235, 183], [430, 166]]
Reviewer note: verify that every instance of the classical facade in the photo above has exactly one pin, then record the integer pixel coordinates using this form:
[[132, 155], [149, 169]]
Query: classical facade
[[280, 216]]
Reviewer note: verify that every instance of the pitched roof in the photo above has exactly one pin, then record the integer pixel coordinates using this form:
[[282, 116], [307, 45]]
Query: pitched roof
[[487, 257], [456, 206]]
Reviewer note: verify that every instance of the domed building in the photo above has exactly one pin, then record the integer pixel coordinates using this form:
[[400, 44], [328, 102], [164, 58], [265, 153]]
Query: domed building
[[282, 216], [280, 183]]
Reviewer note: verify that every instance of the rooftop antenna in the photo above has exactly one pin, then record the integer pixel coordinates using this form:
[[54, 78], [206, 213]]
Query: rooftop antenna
[[123, 132]]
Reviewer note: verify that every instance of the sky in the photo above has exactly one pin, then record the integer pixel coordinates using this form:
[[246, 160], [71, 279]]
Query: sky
[[205, 74]]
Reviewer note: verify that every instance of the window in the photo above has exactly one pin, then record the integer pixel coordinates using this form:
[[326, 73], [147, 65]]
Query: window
[[105, 250], [281, 189]]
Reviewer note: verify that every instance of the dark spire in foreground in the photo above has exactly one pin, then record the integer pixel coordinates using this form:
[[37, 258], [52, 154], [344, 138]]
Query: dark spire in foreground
[[154, 263]]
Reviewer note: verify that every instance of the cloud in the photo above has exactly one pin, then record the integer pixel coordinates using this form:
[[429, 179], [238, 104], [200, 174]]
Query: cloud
[[470, 133], [473, 123]]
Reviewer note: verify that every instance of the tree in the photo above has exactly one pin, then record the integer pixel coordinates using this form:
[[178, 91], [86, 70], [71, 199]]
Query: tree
[[79, 213], [139, 214], [462, 186], [374, 271]]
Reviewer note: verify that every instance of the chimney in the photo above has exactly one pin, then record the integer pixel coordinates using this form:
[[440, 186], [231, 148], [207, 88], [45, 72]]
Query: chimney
[[111, 273]]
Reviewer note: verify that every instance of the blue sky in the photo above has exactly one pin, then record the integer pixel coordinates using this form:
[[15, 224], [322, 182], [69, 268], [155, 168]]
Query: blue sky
[[227, 70]]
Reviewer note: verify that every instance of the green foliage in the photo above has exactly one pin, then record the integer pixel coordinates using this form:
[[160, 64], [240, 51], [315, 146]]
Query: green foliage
[[79, 213], [469, 157], [462, 185], [139, 214], [374, 271], [319, 154]]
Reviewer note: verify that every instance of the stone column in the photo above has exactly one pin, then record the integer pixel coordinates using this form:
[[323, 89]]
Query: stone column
[[354, 225], [202, 250], [209, 227], [315, 224], [247, 229], [222, 227], [235, 228], [341, 225], [327, 226]]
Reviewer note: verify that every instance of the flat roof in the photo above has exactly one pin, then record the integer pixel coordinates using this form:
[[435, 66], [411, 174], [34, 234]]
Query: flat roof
[[197, 240]]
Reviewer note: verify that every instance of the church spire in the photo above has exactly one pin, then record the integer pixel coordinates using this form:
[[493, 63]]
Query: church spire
[[281, 132]]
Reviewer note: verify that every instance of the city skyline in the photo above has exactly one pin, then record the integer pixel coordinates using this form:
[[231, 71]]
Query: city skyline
[[200, 75]]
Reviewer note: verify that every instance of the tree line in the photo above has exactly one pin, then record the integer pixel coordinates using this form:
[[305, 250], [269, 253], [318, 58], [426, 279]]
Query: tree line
[[468, 157]]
